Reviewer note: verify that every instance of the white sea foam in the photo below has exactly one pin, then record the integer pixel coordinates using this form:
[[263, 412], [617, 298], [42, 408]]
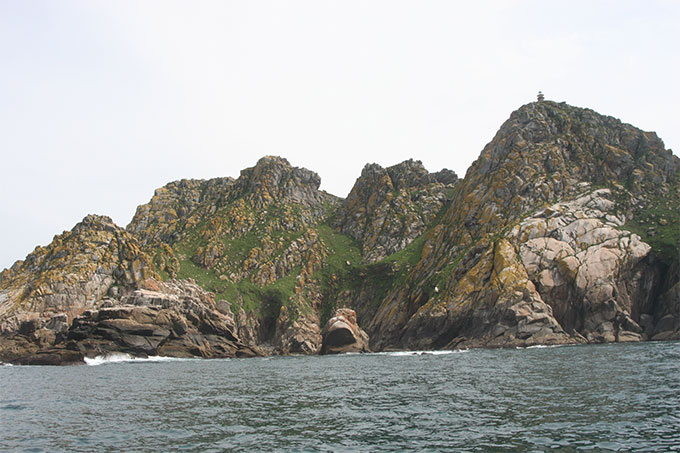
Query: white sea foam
[[119, 357], [541, 346], [415, 353]]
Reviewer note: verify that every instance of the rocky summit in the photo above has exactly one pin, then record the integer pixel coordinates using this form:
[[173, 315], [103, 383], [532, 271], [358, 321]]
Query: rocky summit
[[564, 230]]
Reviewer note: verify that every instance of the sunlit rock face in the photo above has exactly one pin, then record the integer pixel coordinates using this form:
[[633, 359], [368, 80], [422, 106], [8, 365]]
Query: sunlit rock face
[[564, 230], [529, 251], [73, 273], [389, 207]]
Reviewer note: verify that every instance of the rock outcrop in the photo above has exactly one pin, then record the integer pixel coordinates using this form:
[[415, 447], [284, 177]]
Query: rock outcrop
[[342, 334], [564, 230], [166, 216], [262, 229], [599, 279], [274, 180], [389, 207], [174, 319], [545, 152], [78, 269]]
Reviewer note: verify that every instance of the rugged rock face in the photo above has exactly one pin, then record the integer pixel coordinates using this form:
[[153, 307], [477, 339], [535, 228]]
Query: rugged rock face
[[79, 268], [563, 231], [255, 242], [599, 279], [175, 319], [342, 334], [164, 218], [667, 317], [574, 275], [389, 207], [457, 293], [273, 179]]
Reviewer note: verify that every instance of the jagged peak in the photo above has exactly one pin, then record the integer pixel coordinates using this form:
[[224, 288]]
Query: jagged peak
[[543, 152], [277, 169], [560, 117], [578, 140], [404, 175], [90, 223], [274, 178], [95, 222], [178, 186], [273, 160], [406, 193]]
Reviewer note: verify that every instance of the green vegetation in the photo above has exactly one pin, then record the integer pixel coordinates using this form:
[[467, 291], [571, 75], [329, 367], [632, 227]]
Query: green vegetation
[[242, 294], [658, 224], [336, 273], [376, 280], [265, 300]]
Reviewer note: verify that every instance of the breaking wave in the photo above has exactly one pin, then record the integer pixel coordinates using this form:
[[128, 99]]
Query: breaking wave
[[119, 357], [541, 346], [414, 353]]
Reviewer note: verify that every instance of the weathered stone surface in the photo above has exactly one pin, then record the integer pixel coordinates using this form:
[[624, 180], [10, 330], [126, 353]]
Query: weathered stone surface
[[342, 334], [596, 276], [164, 218], [389, 207], [667, 316], [297, 327], [178, 319], [273, 179], [73, 273], [591, 279], [260, 228], [529, 248]]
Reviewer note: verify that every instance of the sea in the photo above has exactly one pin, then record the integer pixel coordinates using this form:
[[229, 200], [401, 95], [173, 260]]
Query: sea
[[614, 397]]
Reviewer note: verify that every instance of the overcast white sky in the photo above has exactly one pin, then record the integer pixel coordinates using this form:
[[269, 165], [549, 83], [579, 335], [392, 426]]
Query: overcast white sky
[[101, 102]]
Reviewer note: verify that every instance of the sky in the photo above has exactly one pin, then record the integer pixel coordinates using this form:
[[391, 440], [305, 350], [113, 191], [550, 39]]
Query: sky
[[101, 102]]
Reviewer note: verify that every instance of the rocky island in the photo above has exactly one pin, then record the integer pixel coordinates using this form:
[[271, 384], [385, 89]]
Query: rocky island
[[564, 230]]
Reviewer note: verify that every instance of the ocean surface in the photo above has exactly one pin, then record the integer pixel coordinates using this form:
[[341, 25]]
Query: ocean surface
[[606, 397]]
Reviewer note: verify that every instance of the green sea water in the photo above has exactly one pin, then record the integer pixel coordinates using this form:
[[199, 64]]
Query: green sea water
[[619, 397]]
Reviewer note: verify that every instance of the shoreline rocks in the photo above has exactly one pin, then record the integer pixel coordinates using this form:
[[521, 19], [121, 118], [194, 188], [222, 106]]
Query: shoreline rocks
[[342, 334], [563, 231]]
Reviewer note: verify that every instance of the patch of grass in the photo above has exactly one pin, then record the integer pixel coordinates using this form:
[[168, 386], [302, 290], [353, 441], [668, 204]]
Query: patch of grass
[[375, 280], [658, 224], [242, 294], [342, 249], [409, 255]]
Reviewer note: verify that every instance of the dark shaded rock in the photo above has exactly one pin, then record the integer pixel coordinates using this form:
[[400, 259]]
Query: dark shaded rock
[[445, 176], [52, 356], [28, 328]]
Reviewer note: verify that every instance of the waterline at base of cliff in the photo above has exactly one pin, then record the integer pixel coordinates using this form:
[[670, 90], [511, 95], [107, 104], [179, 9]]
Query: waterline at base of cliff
[[596, 397]]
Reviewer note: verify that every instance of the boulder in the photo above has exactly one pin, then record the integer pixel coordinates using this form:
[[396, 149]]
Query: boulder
[[342, 334]]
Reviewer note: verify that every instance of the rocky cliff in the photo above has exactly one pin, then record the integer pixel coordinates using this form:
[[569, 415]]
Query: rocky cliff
[[530, 251], [388, 208], [565, 230], [79, 268]]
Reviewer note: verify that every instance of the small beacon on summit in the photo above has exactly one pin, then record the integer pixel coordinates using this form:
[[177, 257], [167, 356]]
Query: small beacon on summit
[[540, 96]]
